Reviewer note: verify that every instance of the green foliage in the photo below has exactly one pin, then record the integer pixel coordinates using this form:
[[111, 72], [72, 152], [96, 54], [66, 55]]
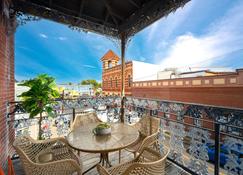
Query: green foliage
[[40, 96], [94, 83], [103, 125], [38, 99]]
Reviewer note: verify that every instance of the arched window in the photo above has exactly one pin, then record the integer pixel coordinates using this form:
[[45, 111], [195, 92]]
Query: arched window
[[116, 82], [129, 81], [109, 64], [111, 82]]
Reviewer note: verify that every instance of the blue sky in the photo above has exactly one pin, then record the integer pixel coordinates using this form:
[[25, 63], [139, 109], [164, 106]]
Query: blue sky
[[206, 33]]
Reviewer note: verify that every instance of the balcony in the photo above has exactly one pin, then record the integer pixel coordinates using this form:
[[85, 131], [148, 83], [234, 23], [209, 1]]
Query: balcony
[[202, 139]]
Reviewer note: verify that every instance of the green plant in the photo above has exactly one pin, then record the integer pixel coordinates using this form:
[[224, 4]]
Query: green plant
[[103, 126], [94, 83], [40, 97]]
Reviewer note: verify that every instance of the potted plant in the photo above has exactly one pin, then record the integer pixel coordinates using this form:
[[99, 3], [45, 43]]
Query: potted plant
[[102, 129], [40, 97]]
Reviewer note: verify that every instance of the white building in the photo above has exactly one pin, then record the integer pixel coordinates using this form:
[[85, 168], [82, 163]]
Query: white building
[[142, 71]]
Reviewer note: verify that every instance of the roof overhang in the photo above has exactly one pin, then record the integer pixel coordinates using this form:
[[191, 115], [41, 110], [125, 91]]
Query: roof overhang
[[107, 17]]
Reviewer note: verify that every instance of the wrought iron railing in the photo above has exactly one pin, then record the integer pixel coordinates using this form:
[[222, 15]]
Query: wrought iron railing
[[203, 139], [65, 112]]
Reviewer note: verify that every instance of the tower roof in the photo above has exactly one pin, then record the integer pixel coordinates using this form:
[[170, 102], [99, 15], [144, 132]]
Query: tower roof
[[110, 55]]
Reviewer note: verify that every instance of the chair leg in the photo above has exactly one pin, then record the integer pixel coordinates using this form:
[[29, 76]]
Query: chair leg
[[119, 156]]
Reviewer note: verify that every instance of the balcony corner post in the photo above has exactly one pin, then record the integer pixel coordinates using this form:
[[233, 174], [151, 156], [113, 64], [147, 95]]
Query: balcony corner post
[[217, 149], [123, 48]]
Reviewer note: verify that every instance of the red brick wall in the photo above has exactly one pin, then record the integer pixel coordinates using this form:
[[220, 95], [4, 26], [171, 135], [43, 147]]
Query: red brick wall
[[6, 89], [218, 96], [223, 90], [111, 80]]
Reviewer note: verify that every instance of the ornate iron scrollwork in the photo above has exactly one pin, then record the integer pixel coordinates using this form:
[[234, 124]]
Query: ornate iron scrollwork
[[234, 161], [17, 109], [224, 116], [198, 150]]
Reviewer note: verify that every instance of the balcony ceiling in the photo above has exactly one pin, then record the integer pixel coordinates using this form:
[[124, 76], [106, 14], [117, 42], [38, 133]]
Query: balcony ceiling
[[107, 17]]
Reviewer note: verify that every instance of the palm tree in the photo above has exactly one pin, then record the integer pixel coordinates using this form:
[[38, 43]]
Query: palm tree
[[40, 97]]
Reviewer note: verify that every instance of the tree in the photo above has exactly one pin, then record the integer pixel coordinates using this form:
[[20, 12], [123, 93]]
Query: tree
[[94, 83], [40, 97]]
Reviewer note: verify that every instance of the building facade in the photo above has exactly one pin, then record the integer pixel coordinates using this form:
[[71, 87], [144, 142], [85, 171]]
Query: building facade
[[134, 71], [218, 90], [75, 90], [111, 75], [144, 80]]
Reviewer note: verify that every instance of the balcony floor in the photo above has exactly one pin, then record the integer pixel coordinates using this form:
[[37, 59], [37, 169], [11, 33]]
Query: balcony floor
[[91, 159]]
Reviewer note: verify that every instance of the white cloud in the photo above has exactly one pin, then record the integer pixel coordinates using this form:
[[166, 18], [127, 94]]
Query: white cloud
[[43, 35], [166, 26], [222, 38], [89, 66], [61, 38]]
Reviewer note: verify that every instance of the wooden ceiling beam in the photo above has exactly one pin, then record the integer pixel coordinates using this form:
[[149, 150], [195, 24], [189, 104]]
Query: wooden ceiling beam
[[61, 16], [147, 14], [50, 3], [134, 3], [106, 17], [108, 6], [81, 7]]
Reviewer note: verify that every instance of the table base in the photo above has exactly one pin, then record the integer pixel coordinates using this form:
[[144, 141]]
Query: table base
[[104, 160]]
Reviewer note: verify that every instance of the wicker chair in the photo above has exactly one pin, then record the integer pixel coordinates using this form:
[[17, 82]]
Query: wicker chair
[[82, 119], [149, 129], [154, 164], [48, 157]]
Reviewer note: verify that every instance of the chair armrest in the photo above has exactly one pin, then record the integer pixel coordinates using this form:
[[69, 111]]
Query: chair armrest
[[52, 140], [149, 150], [61, 165], [101, 170], [149, 140]]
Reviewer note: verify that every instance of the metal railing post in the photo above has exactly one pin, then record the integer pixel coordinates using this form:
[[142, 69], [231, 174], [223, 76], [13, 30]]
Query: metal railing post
[[217, 149], [74, 113]]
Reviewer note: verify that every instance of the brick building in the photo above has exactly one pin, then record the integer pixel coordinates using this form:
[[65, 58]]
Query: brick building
[[134, 71], [6, 81], [148, 81], [225, 89]]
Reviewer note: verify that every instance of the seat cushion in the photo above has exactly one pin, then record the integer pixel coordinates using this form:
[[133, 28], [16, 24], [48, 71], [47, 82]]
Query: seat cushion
[[45, 158]]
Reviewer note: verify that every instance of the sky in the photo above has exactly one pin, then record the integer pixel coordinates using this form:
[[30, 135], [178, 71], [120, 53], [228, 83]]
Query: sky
[[202, 34]]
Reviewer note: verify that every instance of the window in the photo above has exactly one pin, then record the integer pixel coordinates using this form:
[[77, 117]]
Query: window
[[116, 82], [111, 82], [129, 81], [109, 64]]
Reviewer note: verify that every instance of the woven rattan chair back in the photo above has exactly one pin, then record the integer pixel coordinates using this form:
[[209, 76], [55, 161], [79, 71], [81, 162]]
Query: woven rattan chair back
[[148, 162], [83, 119], [62, 161], [154, 164], [147, 125], [149, 141]]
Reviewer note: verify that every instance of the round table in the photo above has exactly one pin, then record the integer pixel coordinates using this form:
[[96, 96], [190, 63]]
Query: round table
[[83, 139]]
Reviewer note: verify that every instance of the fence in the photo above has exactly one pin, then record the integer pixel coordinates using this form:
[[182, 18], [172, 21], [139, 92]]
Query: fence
[[203, 139]]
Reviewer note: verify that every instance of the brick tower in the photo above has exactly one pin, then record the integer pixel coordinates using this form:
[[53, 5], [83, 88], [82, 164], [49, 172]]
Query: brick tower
[[110, 59]]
